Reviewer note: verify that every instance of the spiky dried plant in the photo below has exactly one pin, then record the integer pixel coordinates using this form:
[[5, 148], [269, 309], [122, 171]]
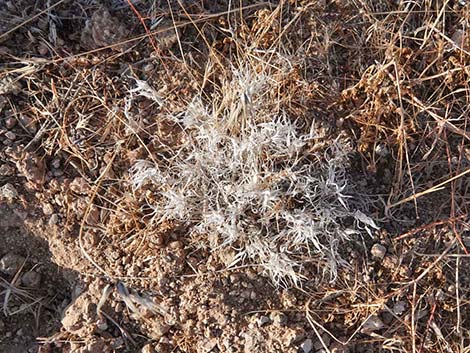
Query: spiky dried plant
[[251, 178]]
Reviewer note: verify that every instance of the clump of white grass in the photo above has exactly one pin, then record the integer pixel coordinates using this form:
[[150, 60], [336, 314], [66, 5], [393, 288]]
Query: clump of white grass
[[248, 177]]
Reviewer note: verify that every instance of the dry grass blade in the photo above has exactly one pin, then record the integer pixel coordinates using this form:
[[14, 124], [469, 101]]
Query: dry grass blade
[[32, 18], [435, 188]]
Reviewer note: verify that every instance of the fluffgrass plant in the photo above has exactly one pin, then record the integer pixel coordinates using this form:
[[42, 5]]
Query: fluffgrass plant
[[249, 177]]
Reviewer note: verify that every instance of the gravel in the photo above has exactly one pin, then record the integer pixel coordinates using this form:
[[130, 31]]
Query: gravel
[[378, 251]]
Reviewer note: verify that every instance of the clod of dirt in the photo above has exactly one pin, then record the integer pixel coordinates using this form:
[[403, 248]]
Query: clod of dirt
[[378, 251], [103, 30], [11, 263], [80, 316], [31, 279], [32, 168]]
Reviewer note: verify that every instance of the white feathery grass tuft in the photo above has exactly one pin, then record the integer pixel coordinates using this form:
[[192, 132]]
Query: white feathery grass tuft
[[247, 176]]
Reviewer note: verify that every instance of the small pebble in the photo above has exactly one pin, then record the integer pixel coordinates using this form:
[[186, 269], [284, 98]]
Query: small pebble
[[378, 251], [55, 163], [10, 123], [374, 323], [102, 325], [28, 123], [31, 279], [43, 50], [10, 135], [54, 219], [148, 67], [307, 345], [47, 209], [263, 320], [399, 308], [176, 245], [11, 263]]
